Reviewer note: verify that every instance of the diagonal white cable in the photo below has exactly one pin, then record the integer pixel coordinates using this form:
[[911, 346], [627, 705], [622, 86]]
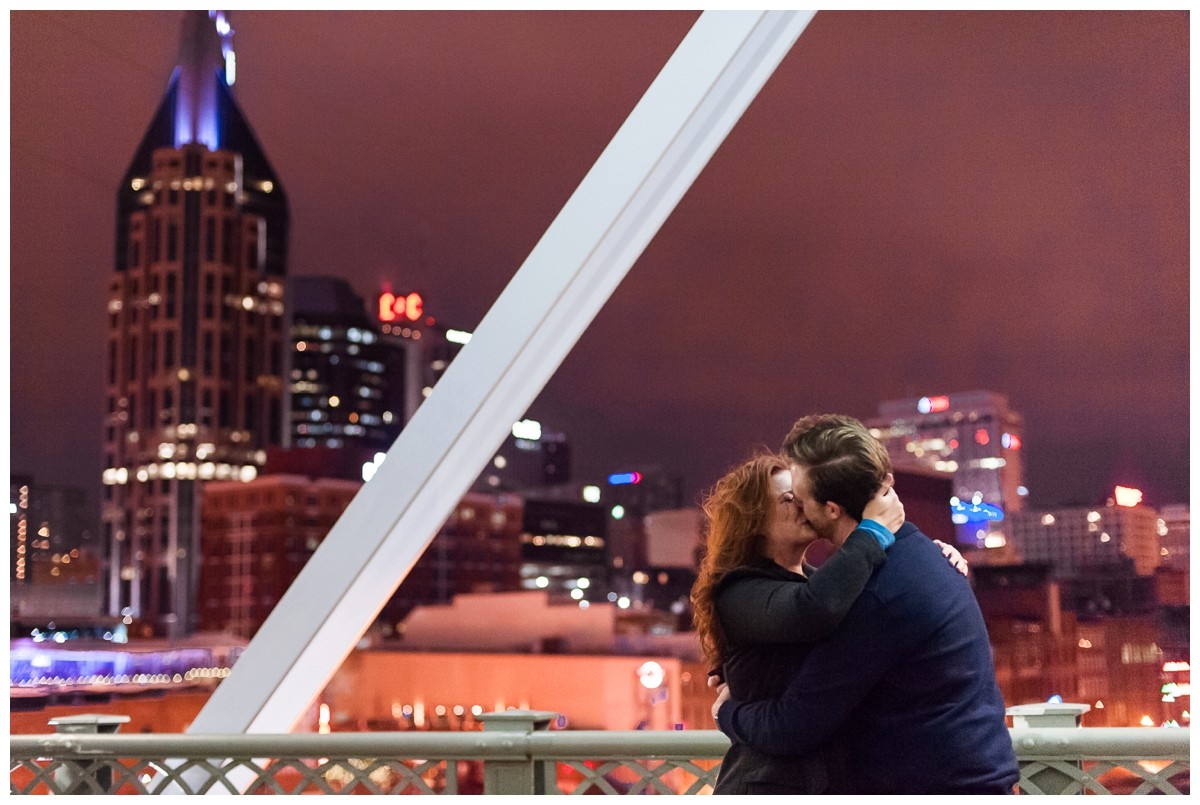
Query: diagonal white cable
[[653, 159]]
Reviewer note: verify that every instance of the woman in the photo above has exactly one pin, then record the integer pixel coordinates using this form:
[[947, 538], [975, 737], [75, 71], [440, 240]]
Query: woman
[[758, 608]]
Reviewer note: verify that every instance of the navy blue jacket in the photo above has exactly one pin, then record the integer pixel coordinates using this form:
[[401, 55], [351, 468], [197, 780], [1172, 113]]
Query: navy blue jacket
[[908, 675]]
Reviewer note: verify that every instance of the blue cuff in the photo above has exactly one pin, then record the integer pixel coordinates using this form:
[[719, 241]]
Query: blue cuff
[[878, 531]]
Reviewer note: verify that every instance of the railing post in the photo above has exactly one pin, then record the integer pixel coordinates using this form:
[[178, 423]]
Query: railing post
[[72, 781], [526, 776], [1046, 715]]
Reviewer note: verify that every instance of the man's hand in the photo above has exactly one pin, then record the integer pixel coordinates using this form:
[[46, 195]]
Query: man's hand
[[722, 697], [956, 558], [885, 508]]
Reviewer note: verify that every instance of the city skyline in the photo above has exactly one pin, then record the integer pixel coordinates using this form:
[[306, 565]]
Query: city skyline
[[436, 164]]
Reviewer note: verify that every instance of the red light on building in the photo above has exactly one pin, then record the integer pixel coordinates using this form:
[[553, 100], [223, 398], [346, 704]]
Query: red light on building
[[981, 436], [1127, 496], [406, 308], [932, 405]]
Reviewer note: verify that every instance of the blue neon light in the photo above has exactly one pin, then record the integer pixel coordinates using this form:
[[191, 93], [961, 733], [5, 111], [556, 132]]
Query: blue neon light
[[619, 478], [975, 513]]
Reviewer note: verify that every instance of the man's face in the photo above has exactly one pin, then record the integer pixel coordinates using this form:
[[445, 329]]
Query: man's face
[[814, 511]]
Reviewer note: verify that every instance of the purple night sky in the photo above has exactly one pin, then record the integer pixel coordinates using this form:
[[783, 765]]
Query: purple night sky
[[917, 203]]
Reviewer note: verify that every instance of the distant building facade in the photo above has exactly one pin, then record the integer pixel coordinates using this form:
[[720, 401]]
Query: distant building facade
[[257, 537], [195, 337], [45, 520], [564, 548], [1121, 665], [477, 549], [1034, 638], [974, 437], [1044, 647], [530, 458], [1175, 534], [1081, 539]]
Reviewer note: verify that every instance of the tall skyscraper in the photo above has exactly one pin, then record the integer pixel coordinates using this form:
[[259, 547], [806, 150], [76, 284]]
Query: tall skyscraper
[[196, 311], [973, 437]]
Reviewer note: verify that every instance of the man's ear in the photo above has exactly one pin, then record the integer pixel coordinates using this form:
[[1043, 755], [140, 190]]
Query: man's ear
[[834, 510]]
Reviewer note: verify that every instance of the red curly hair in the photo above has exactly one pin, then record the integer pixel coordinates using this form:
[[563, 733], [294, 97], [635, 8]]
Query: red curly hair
[[737, 508]]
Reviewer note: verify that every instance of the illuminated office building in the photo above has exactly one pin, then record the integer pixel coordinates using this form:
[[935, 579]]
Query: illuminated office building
[[349, 384], [195, 337], [976, 439]]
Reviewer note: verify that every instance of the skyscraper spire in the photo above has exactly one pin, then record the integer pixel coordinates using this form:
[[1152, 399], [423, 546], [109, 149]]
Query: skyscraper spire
[[199, 108], [200, 76]]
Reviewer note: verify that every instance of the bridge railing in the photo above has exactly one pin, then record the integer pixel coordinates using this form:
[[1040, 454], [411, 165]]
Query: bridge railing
[[517, 754]]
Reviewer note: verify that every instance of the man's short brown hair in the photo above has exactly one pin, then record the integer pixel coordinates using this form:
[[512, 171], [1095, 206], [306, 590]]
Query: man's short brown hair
[[843, 461]]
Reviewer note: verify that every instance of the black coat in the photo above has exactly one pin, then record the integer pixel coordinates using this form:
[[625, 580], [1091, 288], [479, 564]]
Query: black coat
[[769, 618]]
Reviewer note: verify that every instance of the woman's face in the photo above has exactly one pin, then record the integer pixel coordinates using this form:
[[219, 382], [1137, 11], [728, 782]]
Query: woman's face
[[787, 529]]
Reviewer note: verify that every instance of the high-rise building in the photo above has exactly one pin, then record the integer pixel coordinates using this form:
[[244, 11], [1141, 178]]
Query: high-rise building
[[974, 437], [195, 337], [349, 384]]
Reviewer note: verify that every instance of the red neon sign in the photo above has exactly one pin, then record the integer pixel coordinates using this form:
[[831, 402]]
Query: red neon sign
[[405, 308]]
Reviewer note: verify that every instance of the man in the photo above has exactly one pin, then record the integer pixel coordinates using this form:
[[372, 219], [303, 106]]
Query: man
[[907, 679]]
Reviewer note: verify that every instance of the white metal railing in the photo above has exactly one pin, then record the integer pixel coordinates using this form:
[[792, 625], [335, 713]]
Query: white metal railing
[[517, 754]]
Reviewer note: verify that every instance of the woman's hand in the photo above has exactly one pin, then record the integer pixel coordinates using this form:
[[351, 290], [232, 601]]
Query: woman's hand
[[885, 508], [956, 558], [722, 697]]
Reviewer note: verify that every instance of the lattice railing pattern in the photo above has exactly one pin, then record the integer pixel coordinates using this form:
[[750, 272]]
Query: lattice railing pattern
[[1126, 776], [202, 776], [1053, 761], [637, 777]]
